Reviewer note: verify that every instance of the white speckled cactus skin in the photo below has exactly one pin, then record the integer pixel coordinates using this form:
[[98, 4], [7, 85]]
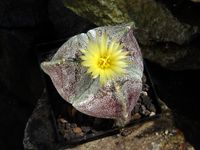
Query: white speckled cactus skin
[[116, 99]]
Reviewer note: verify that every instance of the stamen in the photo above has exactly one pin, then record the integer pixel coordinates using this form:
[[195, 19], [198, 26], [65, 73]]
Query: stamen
[[104, 62]]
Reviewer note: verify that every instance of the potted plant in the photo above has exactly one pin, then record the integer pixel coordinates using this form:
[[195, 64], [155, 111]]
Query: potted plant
[[96, 85]]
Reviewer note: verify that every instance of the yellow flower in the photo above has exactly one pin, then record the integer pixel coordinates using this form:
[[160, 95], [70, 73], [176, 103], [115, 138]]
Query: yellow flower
[[104, 60]]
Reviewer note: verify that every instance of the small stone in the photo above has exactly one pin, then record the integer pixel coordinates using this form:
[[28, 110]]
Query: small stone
[[155, 146], [144, 93], [118, 135], [125, 132], [143, 108], [136, 108], [86, 129], [144, 79], [157, 134], [77, 130], [151, 107], [170, 134], [68, 134], [152, 114], [146, 100], [166, 132], [174, 131], [73, 125], [62, 120], [145, 87], [147, 113], [136, 116], [67, 125]]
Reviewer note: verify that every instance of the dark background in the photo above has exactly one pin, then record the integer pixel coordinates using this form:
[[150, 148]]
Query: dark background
[[26, 23], [23, 25]]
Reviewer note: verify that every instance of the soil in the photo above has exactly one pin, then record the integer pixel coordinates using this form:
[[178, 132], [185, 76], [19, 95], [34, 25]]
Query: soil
[[77, 127]]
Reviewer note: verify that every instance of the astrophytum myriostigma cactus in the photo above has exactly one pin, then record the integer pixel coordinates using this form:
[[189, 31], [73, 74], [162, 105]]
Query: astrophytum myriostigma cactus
[[116, 97]]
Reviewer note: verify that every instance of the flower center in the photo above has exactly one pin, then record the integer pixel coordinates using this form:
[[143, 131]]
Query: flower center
[[104, 62]]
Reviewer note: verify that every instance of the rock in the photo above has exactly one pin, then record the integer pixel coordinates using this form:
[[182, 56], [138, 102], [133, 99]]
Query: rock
[[174, 57], [136, 116], [152, 114], [196, 1], [39, 128], [155, 21], [86, 129], [62, 120], [125, 132], [85, 93], [159, 32], [77, 130], [166, 132]]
